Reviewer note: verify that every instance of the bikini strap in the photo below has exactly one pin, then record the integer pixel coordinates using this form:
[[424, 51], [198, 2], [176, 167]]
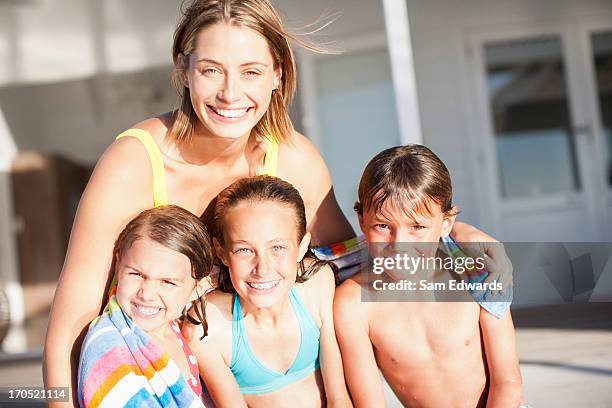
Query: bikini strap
[[305, 318], [236, 329], [271, 159], [160, 194]]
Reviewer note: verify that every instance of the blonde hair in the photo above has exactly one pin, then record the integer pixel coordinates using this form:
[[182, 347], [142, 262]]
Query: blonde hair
[[259, 16]]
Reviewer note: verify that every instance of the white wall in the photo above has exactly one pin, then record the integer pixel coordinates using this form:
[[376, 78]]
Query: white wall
[[439, 30], [55, 40]]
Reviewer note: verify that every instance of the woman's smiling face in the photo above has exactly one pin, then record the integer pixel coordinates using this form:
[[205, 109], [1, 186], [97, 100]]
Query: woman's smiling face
[[262, 251], [230, 76]]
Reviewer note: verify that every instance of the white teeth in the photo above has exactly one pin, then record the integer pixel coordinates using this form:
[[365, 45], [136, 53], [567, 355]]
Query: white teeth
[[147, 310], [231, 113], [262, 286]]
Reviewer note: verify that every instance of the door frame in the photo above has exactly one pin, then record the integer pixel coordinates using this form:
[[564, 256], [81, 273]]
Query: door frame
[[585, 27], [581, 111]]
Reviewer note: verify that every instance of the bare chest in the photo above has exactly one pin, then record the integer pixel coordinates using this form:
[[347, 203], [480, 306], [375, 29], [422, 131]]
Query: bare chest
[[411, 335]]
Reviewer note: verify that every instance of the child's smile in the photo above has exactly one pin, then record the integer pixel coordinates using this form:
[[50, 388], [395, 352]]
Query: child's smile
[[154, 284]]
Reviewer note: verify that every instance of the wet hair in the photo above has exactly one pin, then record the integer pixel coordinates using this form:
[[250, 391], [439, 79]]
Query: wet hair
[[261, 189], [176, 229], [259, 16], [409, 177]]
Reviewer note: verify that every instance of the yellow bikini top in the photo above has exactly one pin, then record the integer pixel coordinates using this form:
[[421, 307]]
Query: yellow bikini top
[[160, 193]]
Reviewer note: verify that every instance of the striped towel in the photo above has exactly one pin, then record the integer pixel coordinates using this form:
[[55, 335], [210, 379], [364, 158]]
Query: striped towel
[[122, 366], [348, 256], [495, 303]]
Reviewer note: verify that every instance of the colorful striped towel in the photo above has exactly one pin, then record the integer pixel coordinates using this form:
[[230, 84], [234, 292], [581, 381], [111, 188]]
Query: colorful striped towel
[[122, 366], [493, 302], [348, 256]]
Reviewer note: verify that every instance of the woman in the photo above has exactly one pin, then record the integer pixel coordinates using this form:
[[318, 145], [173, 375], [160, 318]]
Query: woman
[[236, 74]]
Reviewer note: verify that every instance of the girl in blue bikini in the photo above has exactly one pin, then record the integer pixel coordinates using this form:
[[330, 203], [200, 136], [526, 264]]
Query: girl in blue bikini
[[270, 339]]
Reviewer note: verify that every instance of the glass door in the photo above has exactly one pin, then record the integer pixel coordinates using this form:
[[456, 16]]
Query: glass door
[[530, 115], [600, 54], [542, 160]]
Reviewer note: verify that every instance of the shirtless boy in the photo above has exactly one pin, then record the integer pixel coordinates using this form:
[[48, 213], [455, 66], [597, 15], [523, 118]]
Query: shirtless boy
[[432, 354]]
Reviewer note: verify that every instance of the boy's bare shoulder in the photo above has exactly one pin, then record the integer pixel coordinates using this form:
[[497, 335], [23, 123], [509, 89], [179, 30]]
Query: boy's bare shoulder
[[350, 288], [348, 295]]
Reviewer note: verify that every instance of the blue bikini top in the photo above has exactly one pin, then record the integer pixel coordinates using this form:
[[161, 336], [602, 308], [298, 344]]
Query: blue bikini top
[[255, 378]]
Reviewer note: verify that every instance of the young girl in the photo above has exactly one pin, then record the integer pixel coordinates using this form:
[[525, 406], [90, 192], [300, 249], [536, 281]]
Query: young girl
[[134, 353], [270, 340]]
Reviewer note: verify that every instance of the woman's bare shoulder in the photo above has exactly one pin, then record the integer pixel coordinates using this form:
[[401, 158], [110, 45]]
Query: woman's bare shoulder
[[299, 162], [157, 126], [299, 150], [128, 157], [219, 320]]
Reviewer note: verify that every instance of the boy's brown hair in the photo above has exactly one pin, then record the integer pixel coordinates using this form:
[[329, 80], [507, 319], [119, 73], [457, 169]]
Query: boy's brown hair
[[411, 176]]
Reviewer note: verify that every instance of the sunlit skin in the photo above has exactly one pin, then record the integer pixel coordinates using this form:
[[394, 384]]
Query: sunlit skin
[[432, 354], [419, 231], [230, 91], [230, 67], [262, 257], [262, 249], [154, 285], [392, 231]]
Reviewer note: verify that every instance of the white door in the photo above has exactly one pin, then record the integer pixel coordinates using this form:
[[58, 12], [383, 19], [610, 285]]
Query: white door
[[546, 171], [596, 45]]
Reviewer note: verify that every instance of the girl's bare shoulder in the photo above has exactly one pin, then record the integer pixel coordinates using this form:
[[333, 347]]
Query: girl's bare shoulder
[[219, 308], [319, 288]]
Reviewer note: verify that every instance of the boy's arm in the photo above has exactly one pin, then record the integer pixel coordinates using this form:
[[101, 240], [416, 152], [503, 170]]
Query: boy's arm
[[505, 388], [330, 358], [476, 243], [361, 371]]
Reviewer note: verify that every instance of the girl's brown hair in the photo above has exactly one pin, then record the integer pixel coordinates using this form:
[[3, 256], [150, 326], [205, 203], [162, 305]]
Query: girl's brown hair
[[410, 176], [177, 229], [262, 189], [257, 15]]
